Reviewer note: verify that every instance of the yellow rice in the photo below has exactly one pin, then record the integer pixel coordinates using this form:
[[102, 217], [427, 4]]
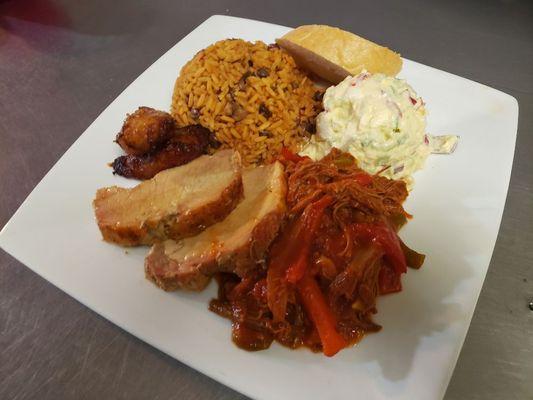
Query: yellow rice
[[224, 86]]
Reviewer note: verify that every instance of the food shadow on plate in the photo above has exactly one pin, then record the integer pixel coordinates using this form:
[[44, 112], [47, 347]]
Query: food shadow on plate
[[411, 318], [407, 321]]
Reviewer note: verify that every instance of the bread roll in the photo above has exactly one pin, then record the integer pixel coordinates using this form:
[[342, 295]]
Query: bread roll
[[333, 54]]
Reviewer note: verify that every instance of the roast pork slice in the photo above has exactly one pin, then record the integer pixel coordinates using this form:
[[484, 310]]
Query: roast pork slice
[[176, 203], [236, 244]]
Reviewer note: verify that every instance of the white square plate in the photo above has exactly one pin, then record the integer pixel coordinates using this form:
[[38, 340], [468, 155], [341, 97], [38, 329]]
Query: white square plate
[[457, 202]]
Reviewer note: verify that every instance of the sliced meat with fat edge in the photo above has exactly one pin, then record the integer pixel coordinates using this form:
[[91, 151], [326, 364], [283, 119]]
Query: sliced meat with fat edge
[[174, 204], [236, 244]]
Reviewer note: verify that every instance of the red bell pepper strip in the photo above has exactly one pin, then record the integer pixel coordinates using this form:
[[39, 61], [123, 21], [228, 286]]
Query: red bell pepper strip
[[277, 290], [323, 318], [389, 281], [291, 252], [288, 155], [309, 225], [284, 252], [297, 268], [363, 178], [385, 237]]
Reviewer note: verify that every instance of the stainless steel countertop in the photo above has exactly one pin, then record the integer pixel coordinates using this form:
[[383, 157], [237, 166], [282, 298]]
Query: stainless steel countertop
[[62, 63]]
